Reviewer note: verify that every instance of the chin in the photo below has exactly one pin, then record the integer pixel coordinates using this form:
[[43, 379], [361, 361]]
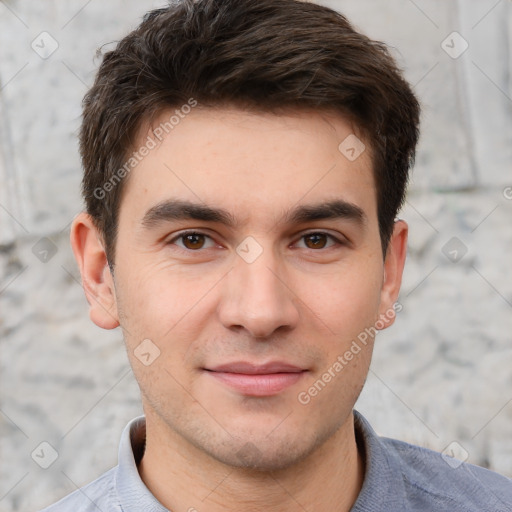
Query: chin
[[262, 454], [251, 458]]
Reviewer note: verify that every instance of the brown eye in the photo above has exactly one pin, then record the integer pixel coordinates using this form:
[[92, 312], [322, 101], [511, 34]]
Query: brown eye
[[319, 240], [316, 240], [193, 240]]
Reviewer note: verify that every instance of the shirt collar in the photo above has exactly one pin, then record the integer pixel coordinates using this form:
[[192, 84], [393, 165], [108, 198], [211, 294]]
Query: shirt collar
[[133, 494], [383, 486]]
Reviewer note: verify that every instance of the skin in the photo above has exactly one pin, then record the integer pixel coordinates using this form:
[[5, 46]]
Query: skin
[[209, 446]]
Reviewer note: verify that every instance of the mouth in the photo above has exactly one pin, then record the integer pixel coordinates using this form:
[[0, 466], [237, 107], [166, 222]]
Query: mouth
[[251, 379]]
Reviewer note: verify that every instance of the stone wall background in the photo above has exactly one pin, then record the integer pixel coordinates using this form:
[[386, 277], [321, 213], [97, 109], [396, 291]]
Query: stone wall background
[[441, 376]]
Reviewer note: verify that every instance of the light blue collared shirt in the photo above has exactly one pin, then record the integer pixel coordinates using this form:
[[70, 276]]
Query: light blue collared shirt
[[399, 477]]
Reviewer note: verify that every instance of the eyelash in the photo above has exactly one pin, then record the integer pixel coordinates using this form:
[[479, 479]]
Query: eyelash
[[192, 232]]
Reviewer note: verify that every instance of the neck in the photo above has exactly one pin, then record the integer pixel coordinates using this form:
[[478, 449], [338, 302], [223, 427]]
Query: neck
[[182, 477]]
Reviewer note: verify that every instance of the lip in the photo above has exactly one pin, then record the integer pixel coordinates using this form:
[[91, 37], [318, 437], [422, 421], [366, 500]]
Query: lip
[[252, 379], [249, 368]]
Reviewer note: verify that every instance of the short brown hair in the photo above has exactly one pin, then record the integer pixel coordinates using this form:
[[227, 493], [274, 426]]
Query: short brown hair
[[264, 55]]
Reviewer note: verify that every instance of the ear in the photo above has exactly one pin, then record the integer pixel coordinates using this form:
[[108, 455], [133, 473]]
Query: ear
[[393, 270], [97, 280]]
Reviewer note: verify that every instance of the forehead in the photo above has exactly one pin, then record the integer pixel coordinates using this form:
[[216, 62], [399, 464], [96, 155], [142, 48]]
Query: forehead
[[255, 165]]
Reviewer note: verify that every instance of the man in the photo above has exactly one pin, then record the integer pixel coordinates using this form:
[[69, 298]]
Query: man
[[244, 163]]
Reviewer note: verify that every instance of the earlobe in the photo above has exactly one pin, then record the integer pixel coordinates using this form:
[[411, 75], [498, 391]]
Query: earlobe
[[393, 270], [97, 280]]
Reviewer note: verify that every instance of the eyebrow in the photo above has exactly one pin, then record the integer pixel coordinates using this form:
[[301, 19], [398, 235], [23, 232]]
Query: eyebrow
[[177, 209]]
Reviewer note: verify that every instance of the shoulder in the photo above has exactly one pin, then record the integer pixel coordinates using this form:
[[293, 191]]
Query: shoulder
[[433, 478], [98, 495], [401, 477]]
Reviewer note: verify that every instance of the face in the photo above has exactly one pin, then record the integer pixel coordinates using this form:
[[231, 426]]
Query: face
[[249, 255]]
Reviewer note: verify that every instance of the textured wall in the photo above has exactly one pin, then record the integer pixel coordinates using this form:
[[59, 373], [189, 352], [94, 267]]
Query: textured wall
[[441, 374]]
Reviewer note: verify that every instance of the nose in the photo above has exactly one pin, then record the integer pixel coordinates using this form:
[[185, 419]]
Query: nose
[[257, 297]]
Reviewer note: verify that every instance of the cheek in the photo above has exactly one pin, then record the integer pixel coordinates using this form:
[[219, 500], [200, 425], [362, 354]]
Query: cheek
[[151, 295], [168, 307], [347, 301], [160, 317]]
